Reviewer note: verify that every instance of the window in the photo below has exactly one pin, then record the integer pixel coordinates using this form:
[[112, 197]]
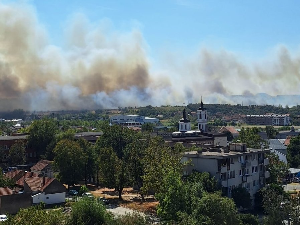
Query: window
[[47, 197], [5, 147], [30, 154], [232, 160], [256, 169], [253, 169], [254, 183], [241, 174]]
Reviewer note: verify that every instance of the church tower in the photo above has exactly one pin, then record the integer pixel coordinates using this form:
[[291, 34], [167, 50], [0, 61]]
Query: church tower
[[184, 123], [202, 117]]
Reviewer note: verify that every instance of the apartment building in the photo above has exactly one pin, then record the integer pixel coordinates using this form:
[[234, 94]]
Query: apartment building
[[232, 167], [269, 119], [132, 120]]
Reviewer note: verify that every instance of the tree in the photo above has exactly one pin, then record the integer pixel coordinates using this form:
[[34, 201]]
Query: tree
[[208, 182], [293, 152], [159, 160], [17, 153], [248, 219], [273, 197], [148, 127], [271, 132], [115, 139], [69, 160], [278, 169], [90, 159], [241, 197], [41, 134], [250, 137], [5, 182], [89, 212], [215, 209], [36, 216]]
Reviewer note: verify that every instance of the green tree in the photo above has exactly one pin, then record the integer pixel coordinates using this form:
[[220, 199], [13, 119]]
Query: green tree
[[293, 152], [37, 216], [148, 127], [250, 137], [5, 182], [209, 183], [278, 169], [249, 219], [216, 210], [273, 197], [241, 197], [117, 139], [90, 159], [16, 153], [41, 134], [271, 132], [89, 212], [69, 160], [159, 160]]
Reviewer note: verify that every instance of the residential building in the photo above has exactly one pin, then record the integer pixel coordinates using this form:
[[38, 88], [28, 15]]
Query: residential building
[[232, 167], [269, 119], [132, 120], [45, 189], [44, 168], [11, 202], [7, 141], [278, 148]]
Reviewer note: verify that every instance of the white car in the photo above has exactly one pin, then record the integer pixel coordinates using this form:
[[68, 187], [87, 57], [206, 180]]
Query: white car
[[87, 194], [3, 218]]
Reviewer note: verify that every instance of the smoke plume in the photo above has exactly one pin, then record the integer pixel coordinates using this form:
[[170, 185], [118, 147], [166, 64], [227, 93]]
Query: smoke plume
[[102, 68]]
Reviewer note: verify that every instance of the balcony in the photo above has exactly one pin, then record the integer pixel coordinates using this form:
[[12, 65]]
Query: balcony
[[267, 174], [248, 163], [244, 179], [260, 160], [243, 164]]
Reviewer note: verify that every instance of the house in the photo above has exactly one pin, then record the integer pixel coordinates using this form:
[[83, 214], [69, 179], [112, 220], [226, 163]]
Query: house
[[11, 203], [277, 147], [45, 189], [43, 167], [7, 141], [232, 167], [230, 129], [89, 136]]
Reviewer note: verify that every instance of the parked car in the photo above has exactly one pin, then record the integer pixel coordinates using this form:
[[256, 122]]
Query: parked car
[[3, 218], [87, 195], [73, 192], [103, 200]]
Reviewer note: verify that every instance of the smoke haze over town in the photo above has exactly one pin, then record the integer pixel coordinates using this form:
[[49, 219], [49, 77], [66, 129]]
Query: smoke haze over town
[[101, 66]]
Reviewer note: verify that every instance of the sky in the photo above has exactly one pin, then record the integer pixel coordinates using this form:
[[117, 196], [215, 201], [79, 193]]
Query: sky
[[58, 55]]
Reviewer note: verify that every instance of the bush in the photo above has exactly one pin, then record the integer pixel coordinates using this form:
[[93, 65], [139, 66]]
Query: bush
[[89, 212]]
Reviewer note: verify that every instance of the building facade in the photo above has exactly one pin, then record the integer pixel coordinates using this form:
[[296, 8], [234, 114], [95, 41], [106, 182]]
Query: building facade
[[270, 119], [132, 120], [233, 167]]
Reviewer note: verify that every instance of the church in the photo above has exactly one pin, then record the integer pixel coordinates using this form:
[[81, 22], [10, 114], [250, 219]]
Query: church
[[200, 137]]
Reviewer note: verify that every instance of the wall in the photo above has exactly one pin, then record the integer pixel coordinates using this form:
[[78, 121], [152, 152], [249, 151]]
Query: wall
[[11, 204], [221, 141], [49, 198]]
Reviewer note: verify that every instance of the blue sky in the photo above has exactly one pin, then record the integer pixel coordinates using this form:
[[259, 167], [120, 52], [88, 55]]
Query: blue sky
[[249, 28]]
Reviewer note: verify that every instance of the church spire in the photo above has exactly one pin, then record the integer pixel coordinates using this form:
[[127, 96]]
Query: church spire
[[201, 105]]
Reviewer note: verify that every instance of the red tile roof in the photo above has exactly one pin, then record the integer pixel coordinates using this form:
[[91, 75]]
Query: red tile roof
[[36, 183], [12, 174], [40, 165], [287, 140], [5, 191], [27, 175]]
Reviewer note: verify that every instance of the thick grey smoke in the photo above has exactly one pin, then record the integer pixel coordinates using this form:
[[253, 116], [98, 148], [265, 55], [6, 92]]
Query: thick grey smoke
[[103, 68]]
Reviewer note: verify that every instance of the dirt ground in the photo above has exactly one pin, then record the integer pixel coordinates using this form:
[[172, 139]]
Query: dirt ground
[[131, 199]]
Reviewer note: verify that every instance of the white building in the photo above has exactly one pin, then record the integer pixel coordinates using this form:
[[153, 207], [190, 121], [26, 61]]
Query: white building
[[132, 119], [235, 167], [202, 117], [199, 137]]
